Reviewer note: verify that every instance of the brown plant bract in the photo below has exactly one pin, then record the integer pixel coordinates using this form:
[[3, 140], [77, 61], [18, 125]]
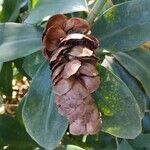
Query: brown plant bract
[[70, 51]]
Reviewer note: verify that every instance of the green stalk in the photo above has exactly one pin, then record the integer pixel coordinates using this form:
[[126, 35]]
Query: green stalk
[[117, 143], [99, 4]]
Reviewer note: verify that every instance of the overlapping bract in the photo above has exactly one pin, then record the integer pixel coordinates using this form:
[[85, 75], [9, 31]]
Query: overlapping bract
[[70, 51]]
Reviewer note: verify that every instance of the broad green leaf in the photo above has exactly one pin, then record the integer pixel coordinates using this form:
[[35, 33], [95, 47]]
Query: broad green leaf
[[18, 40], [124, 145], [74, 140], [6, 76], [31, 68], [146, 121], [10, 10], [40, 115], [32, 3], [19, 111], [142, 141], [120, 111], [23, 3], [19, 72], [13, 135], [125, 26], [101, 141], [69, 147], [109, 147], [1, 64], [137, 62], [73, 147], [46, 8], [119, 1], [138, 93]]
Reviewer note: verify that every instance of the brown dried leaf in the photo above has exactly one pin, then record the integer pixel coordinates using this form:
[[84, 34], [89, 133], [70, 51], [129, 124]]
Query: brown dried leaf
[[52, 38], [89, 116], [93, 60], [91, 83], [65, 111], [78, 113], [58, 20], [88, 70], [77, 25], [77, 127], [63, 86], [80, 51], [46, 54], [93, 127], [66, 105], [88, 100], [57, 71], [77, 92], [75, 39], [71, 68], [57, 52]]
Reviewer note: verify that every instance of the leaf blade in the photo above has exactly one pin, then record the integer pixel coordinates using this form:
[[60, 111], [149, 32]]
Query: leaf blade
[[10, 10], [137, 63], [56, 7], [112, 64], [117, 29], [31, 68], [18, 40], [120, 112], [124, 145], [45, 126]]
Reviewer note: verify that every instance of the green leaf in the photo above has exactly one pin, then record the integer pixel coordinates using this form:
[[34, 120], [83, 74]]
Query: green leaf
[[32, 3], [19, 72], [146, 121], [69, 147], [119, 1], [6, 76], [1, 64], [18, 40], [10, 10], [13, 135], [124, 27], [137, 62], [109, 147], [40, 115], [31, 68], [120, 112], [73, 147], [1, 100], [50, 7], [101, 141], [138, 93], [124, 145], [19, 111], [142, 141]]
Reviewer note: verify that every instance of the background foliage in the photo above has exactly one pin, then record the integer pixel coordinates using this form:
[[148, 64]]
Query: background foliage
[[123, 29]]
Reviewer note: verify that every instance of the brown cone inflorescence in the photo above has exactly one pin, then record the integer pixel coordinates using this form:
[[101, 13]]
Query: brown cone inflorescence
[[70, 51]]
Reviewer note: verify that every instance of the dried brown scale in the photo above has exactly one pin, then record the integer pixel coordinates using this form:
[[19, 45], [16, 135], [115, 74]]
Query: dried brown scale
[[76, 39], [88, 70], [70, 51], [57, 20], [53, 37], [80, 51], [74, 25]]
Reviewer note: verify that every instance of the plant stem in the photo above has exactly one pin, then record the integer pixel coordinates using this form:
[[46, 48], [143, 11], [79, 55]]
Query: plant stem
[[99, 4], [117, 143]]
